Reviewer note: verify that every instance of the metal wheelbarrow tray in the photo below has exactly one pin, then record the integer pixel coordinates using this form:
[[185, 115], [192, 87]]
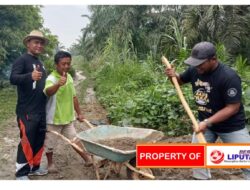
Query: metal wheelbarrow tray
[[91, 137]]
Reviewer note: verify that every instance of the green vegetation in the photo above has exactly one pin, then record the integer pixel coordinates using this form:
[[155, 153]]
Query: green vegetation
[[16, 22], [8, 104], [120, 52], [135, 95]]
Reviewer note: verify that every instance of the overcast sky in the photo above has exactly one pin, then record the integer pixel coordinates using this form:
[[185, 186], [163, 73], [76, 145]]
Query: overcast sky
[[65, 21]]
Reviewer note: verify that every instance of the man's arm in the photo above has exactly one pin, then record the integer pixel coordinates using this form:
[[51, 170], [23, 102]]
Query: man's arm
[[50, 91], [222, 115], [78, 110], [17, 76]]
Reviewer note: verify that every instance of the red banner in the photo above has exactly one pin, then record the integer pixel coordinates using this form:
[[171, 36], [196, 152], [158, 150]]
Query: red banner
[[170, 155]]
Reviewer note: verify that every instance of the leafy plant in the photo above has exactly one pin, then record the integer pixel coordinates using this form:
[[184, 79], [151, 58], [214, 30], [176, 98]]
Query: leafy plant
[[241, 66], [137, 94]]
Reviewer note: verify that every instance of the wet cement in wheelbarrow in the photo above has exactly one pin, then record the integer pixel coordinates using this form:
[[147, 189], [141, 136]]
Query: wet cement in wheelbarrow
[[124, 143]]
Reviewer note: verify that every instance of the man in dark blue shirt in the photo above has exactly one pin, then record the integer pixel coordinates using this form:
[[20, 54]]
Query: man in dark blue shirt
[[217, 93], [28, 74]]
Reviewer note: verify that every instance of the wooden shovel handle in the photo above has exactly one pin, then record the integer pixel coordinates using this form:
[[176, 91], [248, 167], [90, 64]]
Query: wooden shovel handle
[[199, 135]]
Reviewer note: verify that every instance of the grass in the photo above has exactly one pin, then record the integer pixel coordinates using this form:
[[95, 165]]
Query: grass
[[8, 100]]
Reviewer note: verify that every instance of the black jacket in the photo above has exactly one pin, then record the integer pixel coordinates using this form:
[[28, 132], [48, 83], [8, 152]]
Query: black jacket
[[31, 98]]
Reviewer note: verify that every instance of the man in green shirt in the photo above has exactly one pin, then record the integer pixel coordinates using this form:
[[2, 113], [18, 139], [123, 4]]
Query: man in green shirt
[[61, 105]]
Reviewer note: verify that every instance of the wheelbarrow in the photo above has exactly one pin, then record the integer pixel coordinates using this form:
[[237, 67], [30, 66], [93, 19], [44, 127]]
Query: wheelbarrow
[[117, 158]]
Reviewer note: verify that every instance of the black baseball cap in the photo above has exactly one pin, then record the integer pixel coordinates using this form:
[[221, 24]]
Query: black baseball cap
[[200, 53]]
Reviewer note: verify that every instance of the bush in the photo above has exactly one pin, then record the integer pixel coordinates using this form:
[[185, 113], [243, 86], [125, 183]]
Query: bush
[[134, 94]]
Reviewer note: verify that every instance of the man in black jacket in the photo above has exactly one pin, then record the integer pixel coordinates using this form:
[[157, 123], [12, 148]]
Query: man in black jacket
[[29, 75]]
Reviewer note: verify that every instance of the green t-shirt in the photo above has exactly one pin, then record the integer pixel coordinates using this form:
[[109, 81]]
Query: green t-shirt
[[60, 106]]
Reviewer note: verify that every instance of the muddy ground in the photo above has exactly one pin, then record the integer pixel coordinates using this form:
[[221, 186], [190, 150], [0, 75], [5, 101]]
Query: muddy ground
[[71, 165]]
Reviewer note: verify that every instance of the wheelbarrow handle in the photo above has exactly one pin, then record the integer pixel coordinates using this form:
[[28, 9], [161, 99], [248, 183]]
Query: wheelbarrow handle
[[140, 172], [88, 123], [66, 140]]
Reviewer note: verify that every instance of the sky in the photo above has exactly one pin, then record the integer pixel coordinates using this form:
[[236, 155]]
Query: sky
[[65, 21]]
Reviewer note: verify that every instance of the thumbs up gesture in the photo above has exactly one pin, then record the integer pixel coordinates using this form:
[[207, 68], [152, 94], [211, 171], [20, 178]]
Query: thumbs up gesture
[[36, 74], [63, 79]]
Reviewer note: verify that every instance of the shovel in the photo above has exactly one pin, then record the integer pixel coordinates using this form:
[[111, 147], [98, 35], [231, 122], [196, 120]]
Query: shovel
[[199, 135]]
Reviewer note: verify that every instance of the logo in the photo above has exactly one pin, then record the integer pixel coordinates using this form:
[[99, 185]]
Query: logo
[[232, 92], [216, 156], [201, 96]]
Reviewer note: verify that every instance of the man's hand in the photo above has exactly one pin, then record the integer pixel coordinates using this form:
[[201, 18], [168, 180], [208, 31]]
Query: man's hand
[[202, 127], [36, 74], [80, 118], [170, 72], [63, 79]]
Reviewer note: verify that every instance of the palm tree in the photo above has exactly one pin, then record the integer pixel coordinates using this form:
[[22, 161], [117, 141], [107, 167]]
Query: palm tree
[[219, 24], [203, 23], [135, 27]]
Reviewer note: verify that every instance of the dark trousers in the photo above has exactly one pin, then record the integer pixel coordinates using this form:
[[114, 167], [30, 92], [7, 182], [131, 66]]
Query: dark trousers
[[30, 149]]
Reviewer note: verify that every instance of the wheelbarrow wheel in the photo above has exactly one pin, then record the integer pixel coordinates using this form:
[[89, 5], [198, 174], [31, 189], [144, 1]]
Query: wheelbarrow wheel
[[136, 176]]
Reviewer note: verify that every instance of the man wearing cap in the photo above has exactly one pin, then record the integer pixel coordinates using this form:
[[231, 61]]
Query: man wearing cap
[[28, 74], [217, 93]]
